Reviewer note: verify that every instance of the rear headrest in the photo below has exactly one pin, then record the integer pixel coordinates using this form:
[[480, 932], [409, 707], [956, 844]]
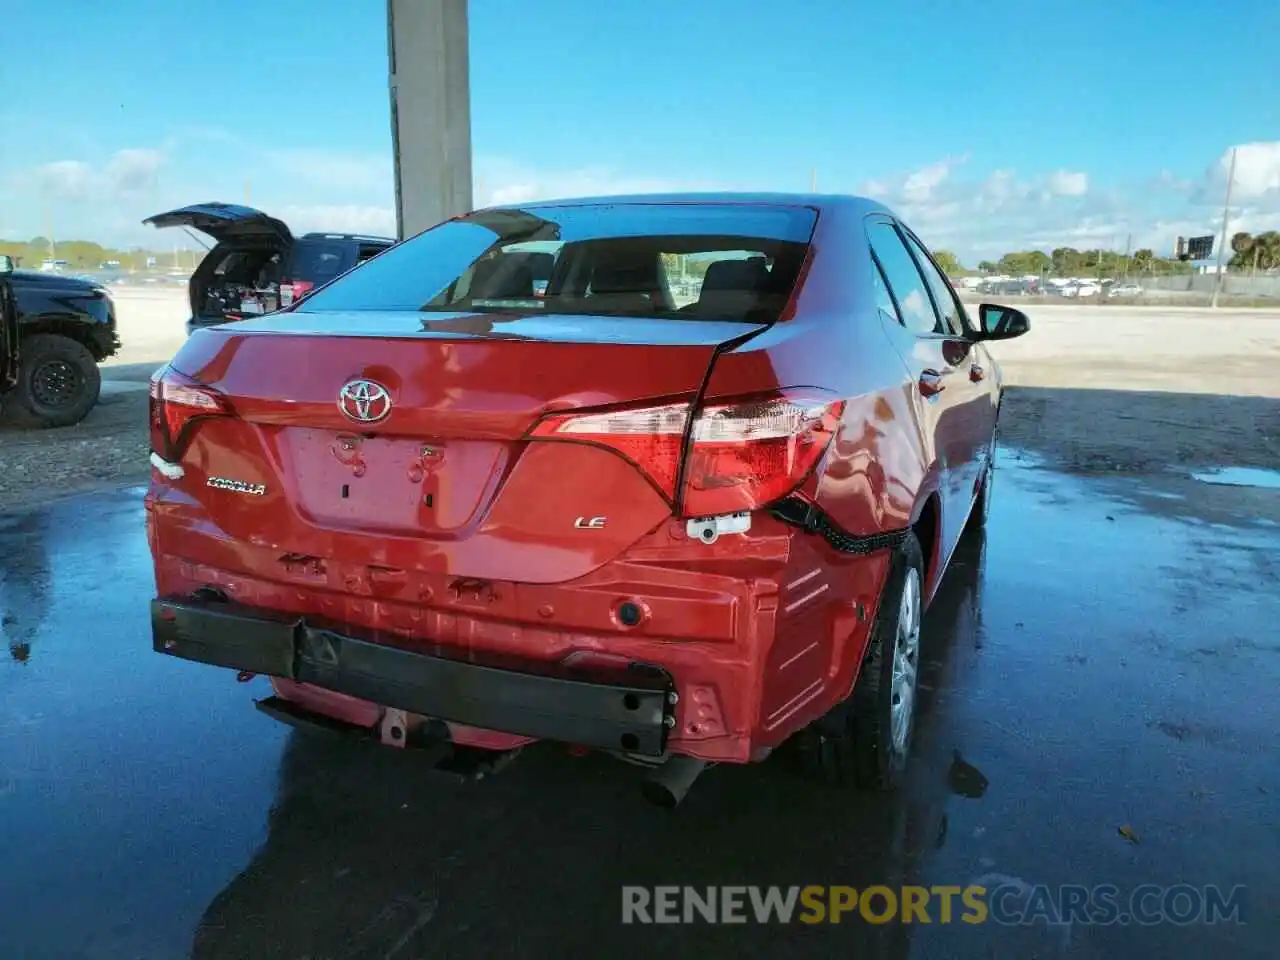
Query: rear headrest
[[540, 264], [501, 278], [624, 276], [736, 276]]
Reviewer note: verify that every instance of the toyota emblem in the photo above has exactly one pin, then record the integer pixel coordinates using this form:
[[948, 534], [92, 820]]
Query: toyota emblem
[[364, 401]]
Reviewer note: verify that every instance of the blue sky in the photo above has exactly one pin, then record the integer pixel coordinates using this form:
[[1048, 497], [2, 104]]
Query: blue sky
[[990, 126]]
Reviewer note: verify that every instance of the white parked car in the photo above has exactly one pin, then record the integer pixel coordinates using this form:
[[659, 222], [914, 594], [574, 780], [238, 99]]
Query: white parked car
[[1085, 289], [1127, 289]]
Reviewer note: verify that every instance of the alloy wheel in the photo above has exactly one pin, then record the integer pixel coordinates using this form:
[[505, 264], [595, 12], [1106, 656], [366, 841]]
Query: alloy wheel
[[906, 662]]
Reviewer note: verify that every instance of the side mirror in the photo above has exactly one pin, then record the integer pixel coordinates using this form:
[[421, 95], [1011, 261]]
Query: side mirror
[[6, 264], [1000, 323]]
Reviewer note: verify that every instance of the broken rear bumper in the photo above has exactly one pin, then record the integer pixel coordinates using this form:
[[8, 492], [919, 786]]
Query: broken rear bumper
[[633, 713]]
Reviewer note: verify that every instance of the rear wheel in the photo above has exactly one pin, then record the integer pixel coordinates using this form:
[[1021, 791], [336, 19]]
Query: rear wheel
[[58, 382], [866, 739]]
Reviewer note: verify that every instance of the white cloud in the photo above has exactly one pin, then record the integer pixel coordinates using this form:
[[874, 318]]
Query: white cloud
[[334, 170], [920, 185], [1064, 183], [1257, 175], [497, 181], [500, 180], [339, 218], [127, 174], [984, 218], [104, 196]]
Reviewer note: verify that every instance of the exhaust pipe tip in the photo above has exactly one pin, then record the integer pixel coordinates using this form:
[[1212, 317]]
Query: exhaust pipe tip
[[659, 794], [666, 786]]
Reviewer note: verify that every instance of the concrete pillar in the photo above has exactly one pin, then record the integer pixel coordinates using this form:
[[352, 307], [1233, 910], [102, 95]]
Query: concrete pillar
[[427, 47]]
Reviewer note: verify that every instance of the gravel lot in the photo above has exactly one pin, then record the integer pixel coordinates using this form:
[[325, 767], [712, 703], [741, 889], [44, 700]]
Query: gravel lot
[[1133, 389]]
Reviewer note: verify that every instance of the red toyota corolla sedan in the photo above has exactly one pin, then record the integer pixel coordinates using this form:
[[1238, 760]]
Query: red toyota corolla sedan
[[684, 501]]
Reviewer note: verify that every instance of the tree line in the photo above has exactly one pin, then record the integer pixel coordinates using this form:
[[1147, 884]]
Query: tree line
[[87, 255], [1068, 262]]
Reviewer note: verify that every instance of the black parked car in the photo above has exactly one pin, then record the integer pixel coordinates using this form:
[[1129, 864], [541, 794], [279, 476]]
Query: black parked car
[[257, 265], [54, 331]]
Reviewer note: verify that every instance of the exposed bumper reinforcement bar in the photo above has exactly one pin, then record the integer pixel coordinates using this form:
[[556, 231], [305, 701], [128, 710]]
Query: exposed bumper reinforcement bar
[[634, 714], [808, 517]]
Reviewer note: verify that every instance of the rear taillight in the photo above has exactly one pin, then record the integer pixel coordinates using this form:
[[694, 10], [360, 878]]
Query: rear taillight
[[742, 455], [650, 437], [747, 453], [176, 403]]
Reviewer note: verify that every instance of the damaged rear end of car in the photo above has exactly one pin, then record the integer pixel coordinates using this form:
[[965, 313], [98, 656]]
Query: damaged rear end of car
[[445, 498]]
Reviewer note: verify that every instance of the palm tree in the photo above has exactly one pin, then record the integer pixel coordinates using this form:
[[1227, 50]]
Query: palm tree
[[1243, 247], [1268, 246]]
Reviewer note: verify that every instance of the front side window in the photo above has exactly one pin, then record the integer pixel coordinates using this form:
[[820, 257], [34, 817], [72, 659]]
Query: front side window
[[943, 295], [677, 260]]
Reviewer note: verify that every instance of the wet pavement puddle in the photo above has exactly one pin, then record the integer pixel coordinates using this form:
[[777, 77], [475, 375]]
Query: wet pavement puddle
[[1241, 477], [1103, 660]]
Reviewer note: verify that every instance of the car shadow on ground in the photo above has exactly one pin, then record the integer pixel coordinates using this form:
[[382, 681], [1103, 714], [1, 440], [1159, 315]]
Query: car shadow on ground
[[370, 854]]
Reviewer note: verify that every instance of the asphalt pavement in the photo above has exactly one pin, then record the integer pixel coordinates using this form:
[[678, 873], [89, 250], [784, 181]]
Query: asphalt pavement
[[1099, 708]]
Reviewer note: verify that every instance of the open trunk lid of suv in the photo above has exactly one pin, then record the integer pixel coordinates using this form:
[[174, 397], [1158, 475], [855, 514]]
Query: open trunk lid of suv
[[241, 275], [224, 221]]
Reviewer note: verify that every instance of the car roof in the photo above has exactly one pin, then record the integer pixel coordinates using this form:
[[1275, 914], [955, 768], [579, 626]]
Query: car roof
[[818, 201], [357, 237]]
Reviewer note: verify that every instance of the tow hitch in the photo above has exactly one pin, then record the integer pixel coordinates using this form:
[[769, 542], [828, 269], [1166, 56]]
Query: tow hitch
[[430, 739], [711, 529]]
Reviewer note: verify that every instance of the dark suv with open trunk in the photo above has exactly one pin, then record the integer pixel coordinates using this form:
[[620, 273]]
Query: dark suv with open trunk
[[257, 265]]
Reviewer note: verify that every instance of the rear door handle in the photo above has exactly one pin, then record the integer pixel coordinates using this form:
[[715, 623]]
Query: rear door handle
[[977, 374], [931, 382]]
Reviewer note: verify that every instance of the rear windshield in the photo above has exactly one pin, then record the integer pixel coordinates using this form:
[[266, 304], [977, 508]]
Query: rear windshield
[[695, 261]]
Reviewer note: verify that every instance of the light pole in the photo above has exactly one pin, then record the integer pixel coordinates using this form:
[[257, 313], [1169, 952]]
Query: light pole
[[1222, 241]]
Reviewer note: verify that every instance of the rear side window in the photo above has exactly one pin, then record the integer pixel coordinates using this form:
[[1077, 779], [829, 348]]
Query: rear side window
[[883, 300], [915, 308], [677, 260], [368, 251], [317, 261]]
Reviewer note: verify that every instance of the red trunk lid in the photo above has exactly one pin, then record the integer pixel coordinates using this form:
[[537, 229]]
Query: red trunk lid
[[446, 479]]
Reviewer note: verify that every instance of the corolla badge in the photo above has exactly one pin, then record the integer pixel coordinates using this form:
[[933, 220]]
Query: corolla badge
[[364, 401], [237, 486]]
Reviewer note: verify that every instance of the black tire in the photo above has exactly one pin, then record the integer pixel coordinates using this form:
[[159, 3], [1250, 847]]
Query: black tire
[[854, 743], [58, 382]]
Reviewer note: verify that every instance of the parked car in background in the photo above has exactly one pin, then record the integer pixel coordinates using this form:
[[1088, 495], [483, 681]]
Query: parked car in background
[[678, 534], [257, 265], [1125, 289], [1081, 288], [54, 331]]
